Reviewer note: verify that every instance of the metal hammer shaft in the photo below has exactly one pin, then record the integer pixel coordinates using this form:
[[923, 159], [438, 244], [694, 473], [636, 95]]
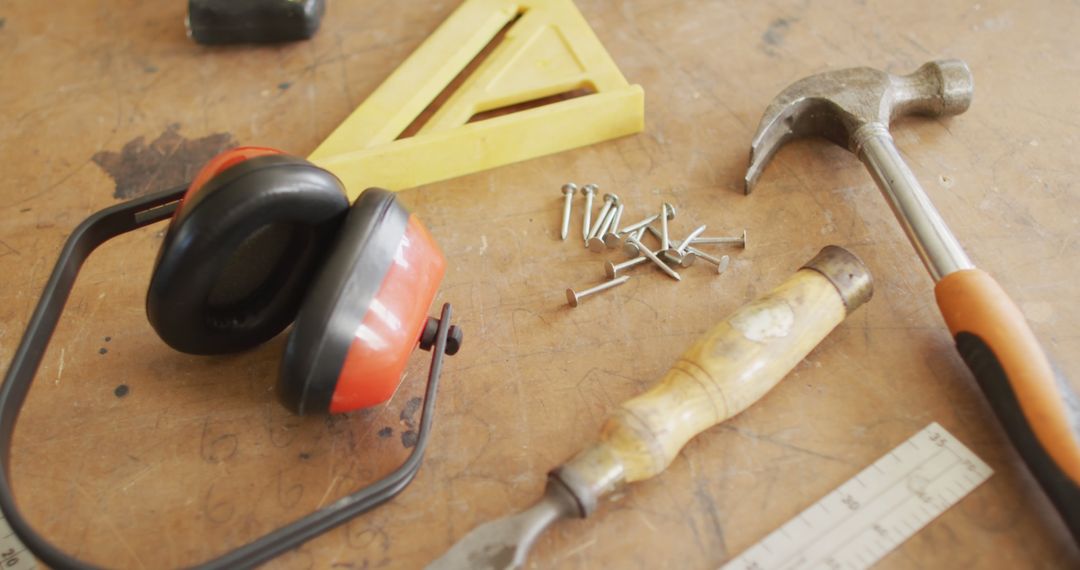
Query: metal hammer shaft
[[935, 243]]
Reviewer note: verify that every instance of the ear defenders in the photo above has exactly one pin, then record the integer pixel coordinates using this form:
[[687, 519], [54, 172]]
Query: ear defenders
[[262, 239]]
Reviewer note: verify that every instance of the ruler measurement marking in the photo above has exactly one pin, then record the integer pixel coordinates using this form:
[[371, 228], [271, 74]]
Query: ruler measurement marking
[[21, 558], [900, 503], [845, 519], [894, 497]]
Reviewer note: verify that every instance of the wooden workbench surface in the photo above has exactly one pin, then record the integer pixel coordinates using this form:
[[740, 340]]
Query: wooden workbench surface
[[129, 454]]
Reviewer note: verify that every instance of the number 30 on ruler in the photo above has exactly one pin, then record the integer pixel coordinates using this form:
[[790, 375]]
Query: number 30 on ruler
[[874, 512]]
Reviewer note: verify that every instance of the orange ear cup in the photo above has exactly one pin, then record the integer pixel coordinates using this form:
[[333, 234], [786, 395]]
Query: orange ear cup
[[364, 314], [391, 329]]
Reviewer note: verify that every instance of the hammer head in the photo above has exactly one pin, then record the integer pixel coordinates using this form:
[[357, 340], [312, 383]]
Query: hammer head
[[836, 104]]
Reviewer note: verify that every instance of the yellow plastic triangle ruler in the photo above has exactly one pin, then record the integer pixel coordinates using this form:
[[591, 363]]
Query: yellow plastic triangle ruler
[[546, 52]]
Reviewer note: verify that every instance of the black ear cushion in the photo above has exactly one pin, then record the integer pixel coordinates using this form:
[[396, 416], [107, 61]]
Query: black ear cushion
[[338, 301], [238, 257]]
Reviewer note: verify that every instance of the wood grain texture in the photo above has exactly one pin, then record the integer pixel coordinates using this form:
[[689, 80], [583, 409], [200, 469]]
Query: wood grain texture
[[197, 457]]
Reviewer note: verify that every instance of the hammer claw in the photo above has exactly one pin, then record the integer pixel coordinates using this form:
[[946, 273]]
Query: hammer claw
[[837, 104]]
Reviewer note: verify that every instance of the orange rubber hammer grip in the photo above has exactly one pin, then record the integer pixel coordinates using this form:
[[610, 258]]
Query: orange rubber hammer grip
[[1032, 400]]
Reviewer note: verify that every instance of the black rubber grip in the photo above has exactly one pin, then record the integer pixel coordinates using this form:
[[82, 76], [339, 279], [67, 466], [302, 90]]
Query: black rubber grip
[[989, 373]]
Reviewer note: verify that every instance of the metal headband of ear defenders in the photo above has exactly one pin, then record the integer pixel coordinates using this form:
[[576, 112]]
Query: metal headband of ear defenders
[[96, 230]]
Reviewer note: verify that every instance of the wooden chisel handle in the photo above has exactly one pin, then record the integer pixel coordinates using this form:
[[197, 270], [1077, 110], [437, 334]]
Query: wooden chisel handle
[[1034, 403], [726, 371]]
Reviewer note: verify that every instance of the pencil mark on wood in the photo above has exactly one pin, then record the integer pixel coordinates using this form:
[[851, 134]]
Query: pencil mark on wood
[[218, 511], [217, 448], [371, 540], [8, 250], [288, 495], [169, 160]]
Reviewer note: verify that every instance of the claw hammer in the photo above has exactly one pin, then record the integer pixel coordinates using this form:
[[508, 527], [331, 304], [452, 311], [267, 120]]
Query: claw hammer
[[1032, 400]]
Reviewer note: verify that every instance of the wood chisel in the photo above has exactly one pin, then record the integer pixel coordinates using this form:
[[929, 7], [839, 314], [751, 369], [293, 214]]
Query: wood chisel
[[726, 371]]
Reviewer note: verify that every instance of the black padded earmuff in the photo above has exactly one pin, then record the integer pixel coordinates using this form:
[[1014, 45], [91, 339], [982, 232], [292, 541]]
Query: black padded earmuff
[[241, 252]]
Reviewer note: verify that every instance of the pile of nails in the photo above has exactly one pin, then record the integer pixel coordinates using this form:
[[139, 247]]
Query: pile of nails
[[604, 233]]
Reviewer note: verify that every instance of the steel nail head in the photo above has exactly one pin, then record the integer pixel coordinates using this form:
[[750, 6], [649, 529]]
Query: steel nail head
[[680, 259], [630, 248], [612, 269], [721, 263], [609, 269], [598, 235]]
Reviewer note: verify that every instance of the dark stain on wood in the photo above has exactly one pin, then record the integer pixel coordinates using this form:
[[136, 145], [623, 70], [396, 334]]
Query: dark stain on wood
[[410, 410], [168, 161]]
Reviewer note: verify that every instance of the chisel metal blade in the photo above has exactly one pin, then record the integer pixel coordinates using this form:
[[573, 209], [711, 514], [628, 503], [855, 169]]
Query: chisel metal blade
[[503, 544]]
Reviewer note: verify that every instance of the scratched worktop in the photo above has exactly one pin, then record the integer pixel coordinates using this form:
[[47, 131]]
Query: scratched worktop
[[129, 454]]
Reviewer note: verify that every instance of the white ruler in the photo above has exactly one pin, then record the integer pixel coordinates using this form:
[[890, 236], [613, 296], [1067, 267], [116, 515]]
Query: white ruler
[[13, 555], [874, 512]]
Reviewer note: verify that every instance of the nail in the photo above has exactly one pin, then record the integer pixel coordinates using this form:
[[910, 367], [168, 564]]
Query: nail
[[573, 298], [568, 191], [690, 239], [611, 235], [656, 260], [609, 201], [720, 263], [588, 191], [739, 241], [673, 256], [629, 247], [613, 269], [663, 226], [641, 224], [596, 242]]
